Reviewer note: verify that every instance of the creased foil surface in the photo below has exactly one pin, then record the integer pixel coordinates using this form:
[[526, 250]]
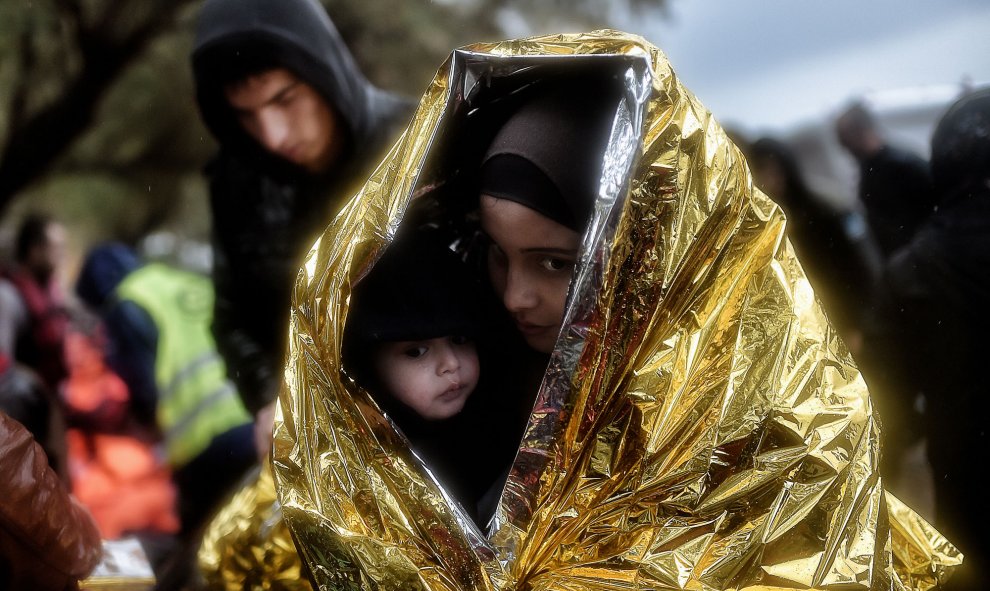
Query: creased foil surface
[[701, 426], [247, 544]]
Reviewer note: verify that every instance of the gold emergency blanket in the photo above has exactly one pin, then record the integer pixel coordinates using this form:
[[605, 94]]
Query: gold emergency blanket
[[700, 426], [247, 544]]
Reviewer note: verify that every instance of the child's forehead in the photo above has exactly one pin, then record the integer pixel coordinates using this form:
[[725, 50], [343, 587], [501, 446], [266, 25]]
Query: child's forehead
[[415, 293], [412, 342]]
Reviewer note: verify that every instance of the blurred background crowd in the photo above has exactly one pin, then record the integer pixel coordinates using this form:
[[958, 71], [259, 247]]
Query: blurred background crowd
[[104, 207]]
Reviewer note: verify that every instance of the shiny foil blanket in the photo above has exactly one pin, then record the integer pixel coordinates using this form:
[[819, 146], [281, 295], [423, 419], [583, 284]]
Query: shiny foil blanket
[[247, 544], [700, 425]]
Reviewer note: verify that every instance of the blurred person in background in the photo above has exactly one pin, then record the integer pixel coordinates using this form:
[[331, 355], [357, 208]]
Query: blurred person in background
[[26, 399], [157, 321], [894, 184], [834, 244], [300, 128], [37, 320], [932, 326]]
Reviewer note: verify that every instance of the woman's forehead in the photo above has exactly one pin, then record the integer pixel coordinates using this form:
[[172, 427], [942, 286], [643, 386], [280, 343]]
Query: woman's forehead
[[511, 223]]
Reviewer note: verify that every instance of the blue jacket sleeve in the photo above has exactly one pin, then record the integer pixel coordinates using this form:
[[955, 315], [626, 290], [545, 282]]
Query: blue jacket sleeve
[[132, 353]]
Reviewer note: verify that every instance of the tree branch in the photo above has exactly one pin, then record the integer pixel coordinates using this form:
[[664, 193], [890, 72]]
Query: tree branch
[[18, 102], [74, 9], [34, 145]]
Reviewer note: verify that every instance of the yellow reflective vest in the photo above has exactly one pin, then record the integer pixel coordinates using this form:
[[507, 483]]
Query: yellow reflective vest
[[196, 401]]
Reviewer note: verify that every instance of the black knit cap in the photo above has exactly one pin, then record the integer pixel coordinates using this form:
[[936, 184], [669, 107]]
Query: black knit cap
[[548, 154], [419, 289], [961, 142]]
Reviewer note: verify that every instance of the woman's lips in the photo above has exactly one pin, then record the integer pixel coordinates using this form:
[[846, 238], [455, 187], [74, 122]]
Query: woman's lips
[[530, 329]]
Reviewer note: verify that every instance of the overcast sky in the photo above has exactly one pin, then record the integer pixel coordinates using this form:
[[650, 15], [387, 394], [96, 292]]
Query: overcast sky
[[773, 64]]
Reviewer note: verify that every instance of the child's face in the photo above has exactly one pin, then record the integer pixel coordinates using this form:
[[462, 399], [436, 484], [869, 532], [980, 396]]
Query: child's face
[[433, 377]]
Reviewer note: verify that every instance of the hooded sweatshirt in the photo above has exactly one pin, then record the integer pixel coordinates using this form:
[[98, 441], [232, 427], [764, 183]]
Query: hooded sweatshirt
[[266, 211]]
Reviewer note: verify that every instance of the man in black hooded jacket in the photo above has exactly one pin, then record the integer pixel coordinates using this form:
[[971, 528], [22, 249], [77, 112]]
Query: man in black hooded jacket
[[299, 128]]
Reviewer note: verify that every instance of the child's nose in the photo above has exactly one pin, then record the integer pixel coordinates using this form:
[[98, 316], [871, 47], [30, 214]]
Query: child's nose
[[448, 360]]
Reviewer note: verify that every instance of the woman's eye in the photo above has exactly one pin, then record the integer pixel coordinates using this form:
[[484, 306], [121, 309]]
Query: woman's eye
[[555, 264], [415, 352]]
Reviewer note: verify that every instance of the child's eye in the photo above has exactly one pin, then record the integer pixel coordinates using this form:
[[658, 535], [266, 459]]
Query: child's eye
[[415, 352]]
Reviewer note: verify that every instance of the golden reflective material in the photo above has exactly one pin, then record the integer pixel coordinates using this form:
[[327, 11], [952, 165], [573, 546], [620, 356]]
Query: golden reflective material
[[247, 545], [923, 555], [700, 425]]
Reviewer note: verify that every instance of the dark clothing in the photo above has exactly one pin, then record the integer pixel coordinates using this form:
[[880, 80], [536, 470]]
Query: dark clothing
[[267, 212], [895, 187], [932, 315], [133, 342], [261, 232], [25, 398], [133, 337], [418, 289], [223, 465]]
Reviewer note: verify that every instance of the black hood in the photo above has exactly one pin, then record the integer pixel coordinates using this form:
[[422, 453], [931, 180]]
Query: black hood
[[294, 34]]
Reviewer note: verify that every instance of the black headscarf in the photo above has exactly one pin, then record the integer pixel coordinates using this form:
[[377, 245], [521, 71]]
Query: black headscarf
[[533, 159]]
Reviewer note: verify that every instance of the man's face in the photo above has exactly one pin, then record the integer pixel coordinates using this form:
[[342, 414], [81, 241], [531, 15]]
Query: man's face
[[289, 118], [46, 257]]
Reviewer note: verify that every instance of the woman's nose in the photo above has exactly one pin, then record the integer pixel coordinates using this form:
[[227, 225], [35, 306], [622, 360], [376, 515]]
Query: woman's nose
[[518, 295]]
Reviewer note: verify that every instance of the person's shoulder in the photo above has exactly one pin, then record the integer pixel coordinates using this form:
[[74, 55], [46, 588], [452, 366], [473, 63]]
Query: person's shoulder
[[17, 379], [391, 112], [904, 157], [7, 289], [12, 305]]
